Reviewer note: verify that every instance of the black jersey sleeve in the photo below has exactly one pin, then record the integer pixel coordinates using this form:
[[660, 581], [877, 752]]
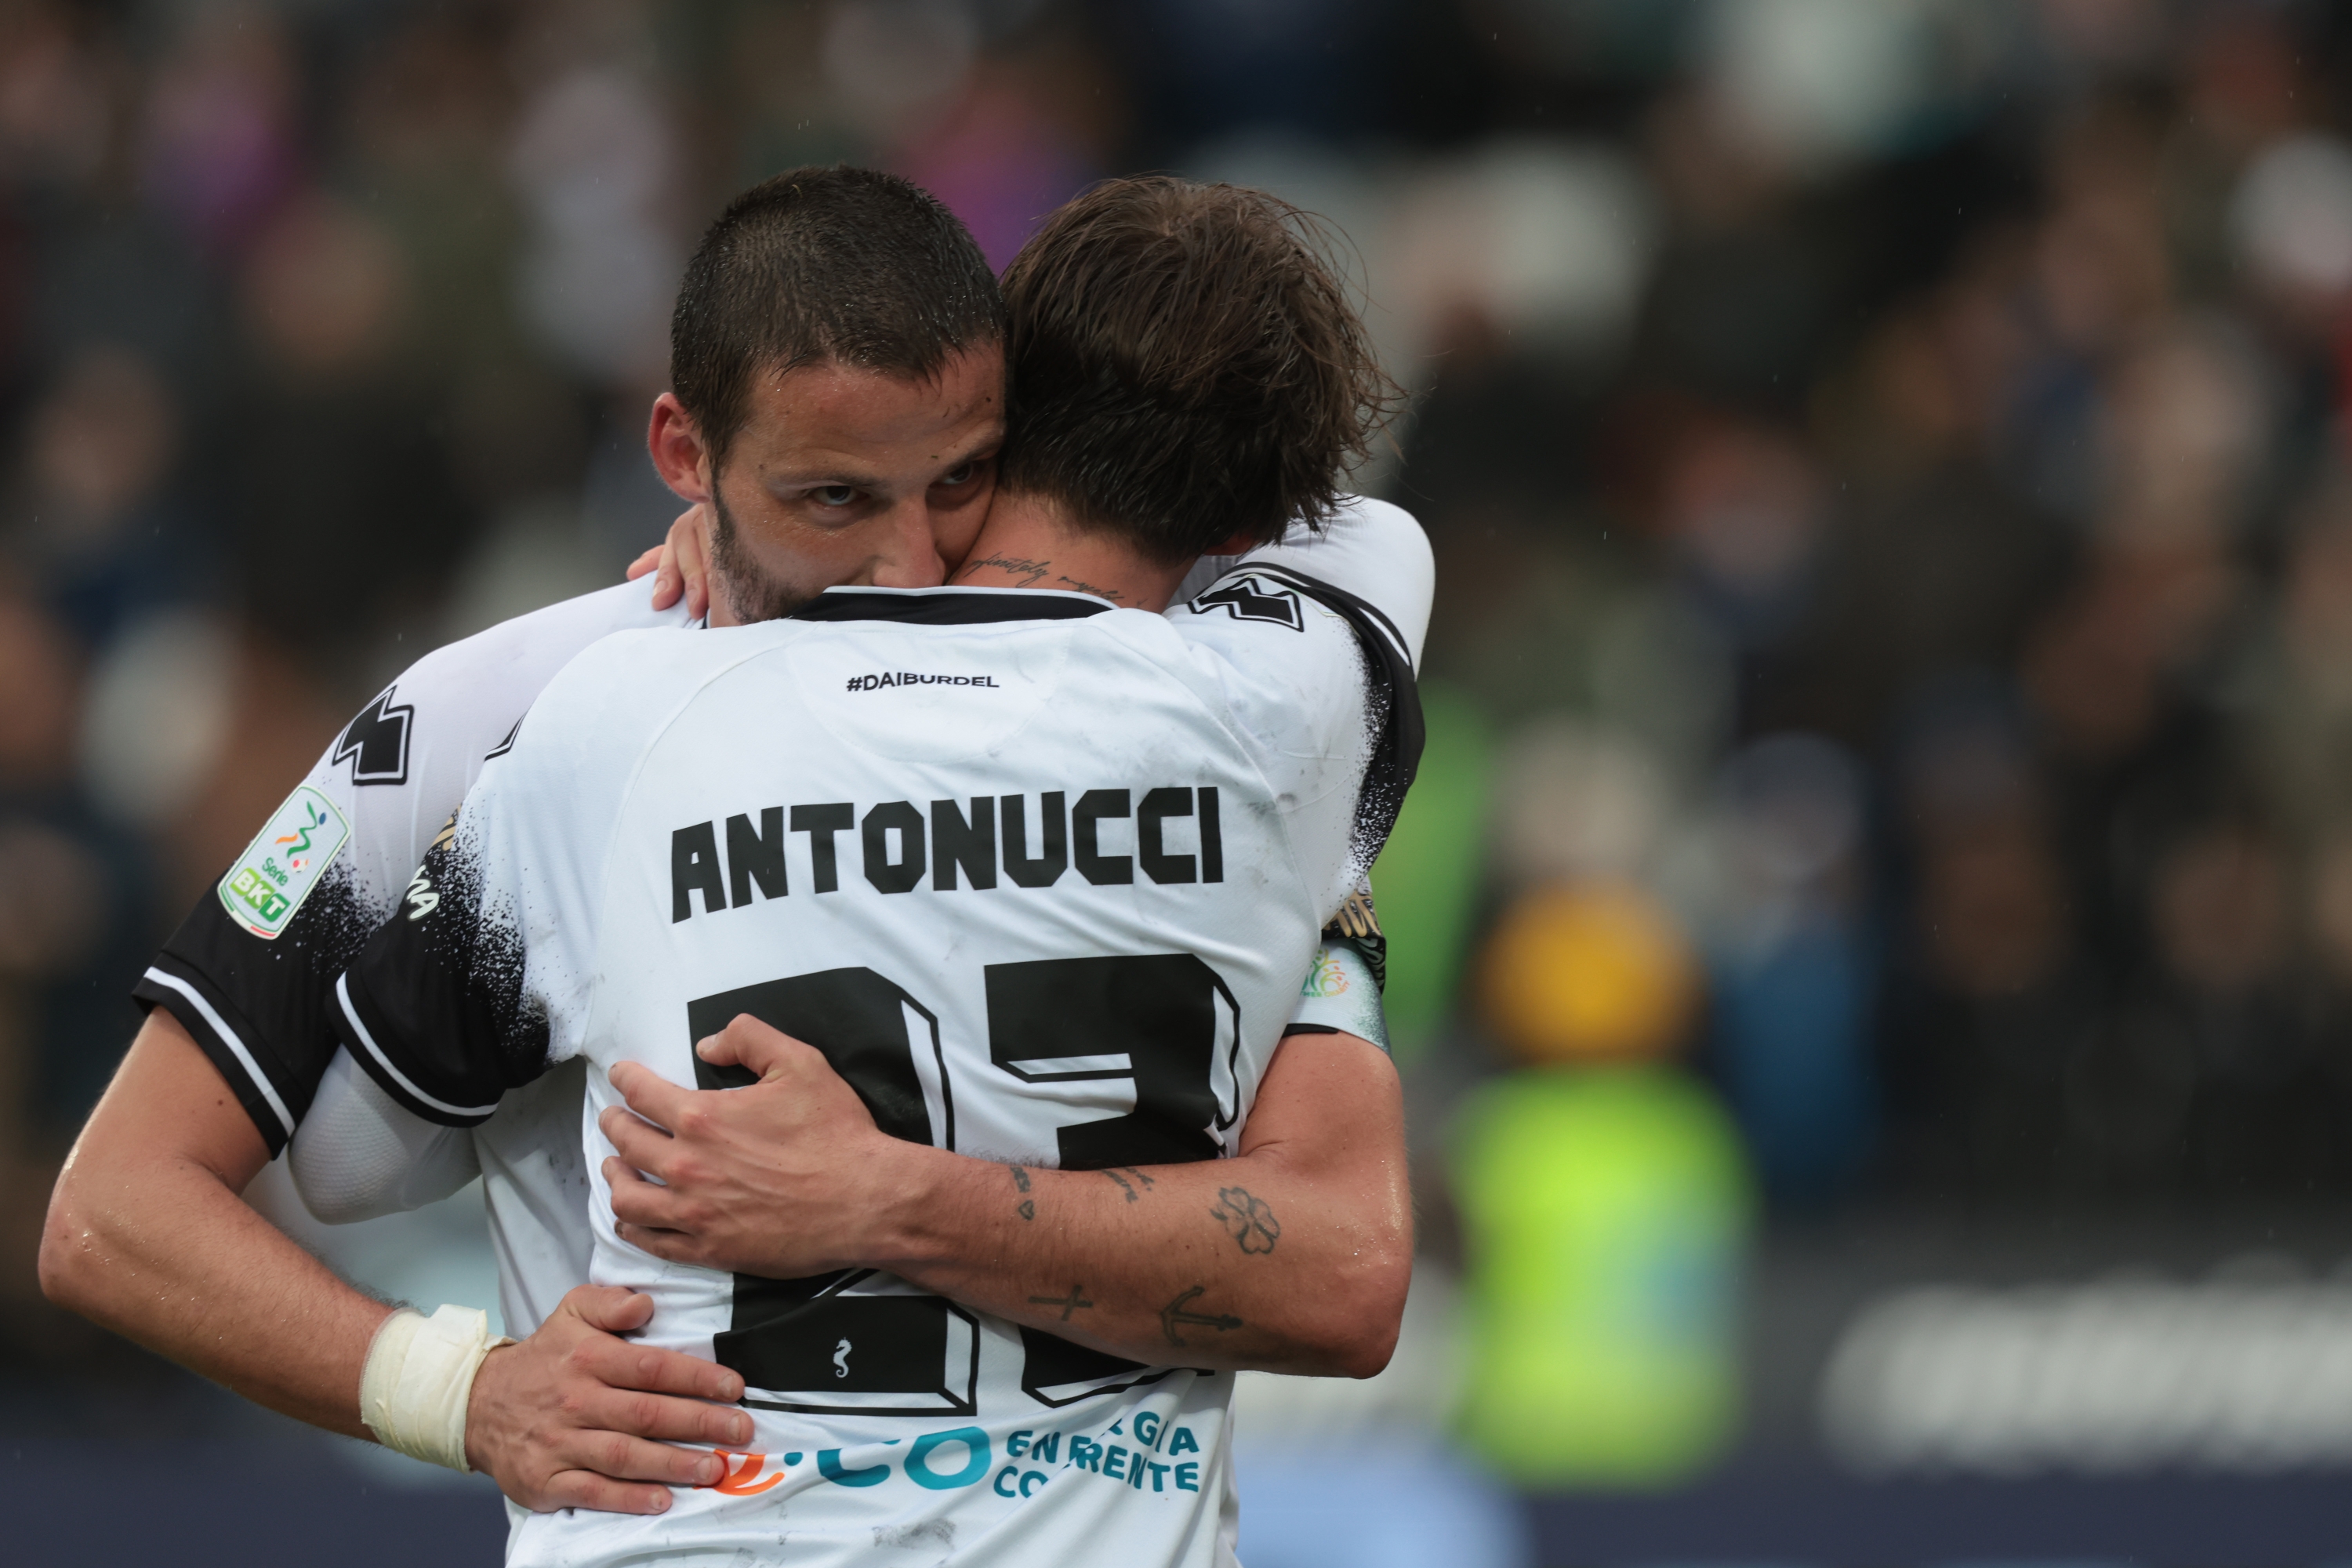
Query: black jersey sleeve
[[251, 971], [434, 1006], [480, 978]]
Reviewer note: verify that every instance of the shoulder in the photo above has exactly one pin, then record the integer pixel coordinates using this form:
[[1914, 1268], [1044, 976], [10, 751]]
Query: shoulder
[[615, 696], [1371, 562], [521, 653], [462, 700]]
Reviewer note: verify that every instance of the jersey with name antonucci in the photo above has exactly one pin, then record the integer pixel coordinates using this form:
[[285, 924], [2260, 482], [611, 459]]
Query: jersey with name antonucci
[[1041, 896], [250, 973]]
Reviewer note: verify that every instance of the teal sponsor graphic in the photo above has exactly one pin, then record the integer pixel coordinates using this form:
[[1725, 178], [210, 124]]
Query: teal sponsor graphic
[[975, 1466], [268, 882], [1150, 1459]]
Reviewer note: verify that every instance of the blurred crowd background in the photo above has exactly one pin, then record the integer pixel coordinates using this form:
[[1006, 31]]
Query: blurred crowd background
[[1884, 858]]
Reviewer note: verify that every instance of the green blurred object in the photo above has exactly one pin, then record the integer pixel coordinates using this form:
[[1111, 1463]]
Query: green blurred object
[[1607, 1211], [1427, 877]]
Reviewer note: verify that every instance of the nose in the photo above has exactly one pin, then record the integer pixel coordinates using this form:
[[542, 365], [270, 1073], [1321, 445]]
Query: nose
[[906, 555]]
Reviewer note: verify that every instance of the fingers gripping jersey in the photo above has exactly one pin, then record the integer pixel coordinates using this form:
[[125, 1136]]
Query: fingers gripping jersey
[[1040, 889]]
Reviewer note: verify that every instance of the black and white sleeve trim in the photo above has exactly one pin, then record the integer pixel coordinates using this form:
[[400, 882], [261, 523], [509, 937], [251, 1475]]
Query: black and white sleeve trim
[[1395, 696], [206, 1019], [397, 1083]]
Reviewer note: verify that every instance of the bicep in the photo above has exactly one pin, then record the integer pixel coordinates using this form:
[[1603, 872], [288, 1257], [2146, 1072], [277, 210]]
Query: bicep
[[1330, 1106], [168, 1102]]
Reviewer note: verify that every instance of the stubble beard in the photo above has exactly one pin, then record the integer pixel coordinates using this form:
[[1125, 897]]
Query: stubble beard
[[750, 592]]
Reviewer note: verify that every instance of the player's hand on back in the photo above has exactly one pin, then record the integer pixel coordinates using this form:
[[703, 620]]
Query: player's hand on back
[[576, 1416], [680, 565], [798, 1143]]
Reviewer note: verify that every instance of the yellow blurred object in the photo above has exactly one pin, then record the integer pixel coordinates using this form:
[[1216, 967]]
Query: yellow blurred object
[[1606, 1212], [1589, 972]]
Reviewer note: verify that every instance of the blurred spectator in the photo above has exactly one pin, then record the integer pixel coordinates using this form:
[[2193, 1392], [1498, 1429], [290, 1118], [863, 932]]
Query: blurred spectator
[[596, 161], [72, 909], [1602, 1200], [348, 514], [1791, 964], [93, 524], [220, 135]]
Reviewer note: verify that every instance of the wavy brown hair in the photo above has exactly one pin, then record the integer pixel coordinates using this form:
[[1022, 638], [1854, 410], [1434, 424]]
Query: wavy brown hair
[[1185, 367]]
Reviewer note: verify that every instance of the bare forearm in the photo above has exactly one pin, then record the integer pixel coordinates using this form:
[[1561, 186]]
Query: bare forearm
[[170, 1257], [1225, 1264], [1293, 1256], [147, 1237]]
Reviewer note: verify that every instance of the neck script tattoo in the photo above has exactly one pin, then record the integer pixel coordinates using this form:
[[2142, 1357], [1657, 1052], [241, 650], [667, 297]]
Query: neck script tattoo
[[1032, 572]]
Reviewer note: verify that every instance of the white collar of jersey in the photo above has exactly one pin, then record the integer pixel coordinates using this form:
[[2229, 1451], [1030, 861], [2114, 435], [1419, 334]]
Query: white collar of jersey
[[950, 607]]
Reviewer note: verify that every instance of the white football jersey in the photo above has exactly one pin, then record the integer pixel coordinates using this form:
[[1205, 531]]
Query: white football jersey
[[250, 973], [252, 969], [1039, 877]]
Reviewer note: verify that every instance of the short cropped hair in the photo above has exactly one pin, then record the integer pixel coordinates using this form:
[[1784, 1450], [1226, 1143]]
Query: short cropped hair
[[1185, 367], [815, 265]]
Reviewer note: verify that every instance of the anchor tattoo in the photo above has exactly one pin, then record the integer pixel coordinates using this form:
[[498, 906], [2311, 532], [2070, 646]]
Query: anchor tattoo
[[1173, 1314]]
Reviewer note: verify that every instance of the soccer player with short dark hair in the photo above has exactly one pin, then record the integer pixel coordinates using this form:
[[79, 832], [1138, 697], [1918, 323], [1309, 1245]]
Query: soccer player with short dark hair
[[147, 1231], [985, 905]]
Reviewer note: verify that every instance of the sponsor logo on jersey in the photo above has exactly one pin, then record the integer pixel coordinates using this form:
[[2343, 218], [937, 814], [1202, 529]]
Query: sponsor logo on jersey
[[421, 898], [743, 1480], [268, 882], [912, 678], [899, 844], [1327, 978], [1150, 1459]]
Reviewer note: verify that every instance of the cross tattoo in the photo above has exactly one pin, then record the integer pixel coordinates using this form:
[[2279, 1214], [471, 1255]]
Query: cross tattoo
[[1068, 1304]]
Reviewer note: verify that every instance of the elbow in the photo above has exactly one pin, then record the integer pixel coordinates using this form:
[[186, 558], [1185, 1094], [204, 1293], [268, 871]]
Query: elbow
[[1358, 1329], [66, 1270]]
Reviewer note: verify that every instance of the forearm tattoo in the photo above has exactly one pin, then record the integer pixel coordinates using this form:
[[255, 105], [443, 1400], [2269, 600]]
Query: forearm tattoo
[[1247, 1219], [1074, 1302], [1127, 1186], [1173, 1315]]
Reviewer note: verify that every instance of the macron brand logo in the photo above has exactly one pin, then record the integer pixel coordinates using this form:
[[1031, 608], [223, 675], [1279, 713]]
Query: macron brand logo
[[909, 678]]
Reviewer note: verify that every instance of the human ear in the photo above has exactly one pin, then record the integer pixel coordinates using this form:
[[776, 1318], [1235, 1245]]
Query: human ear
[[674, 443]]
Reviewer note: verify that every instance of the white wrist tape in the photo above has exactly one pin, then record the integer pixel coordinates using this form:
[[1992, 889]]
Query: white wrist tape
[[419, 1373]]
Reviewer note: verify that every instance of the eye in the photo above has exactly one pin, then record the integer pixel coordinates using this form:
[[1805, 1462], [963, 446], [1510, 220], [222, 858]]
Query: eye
[[833, 495], [961, 473]]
